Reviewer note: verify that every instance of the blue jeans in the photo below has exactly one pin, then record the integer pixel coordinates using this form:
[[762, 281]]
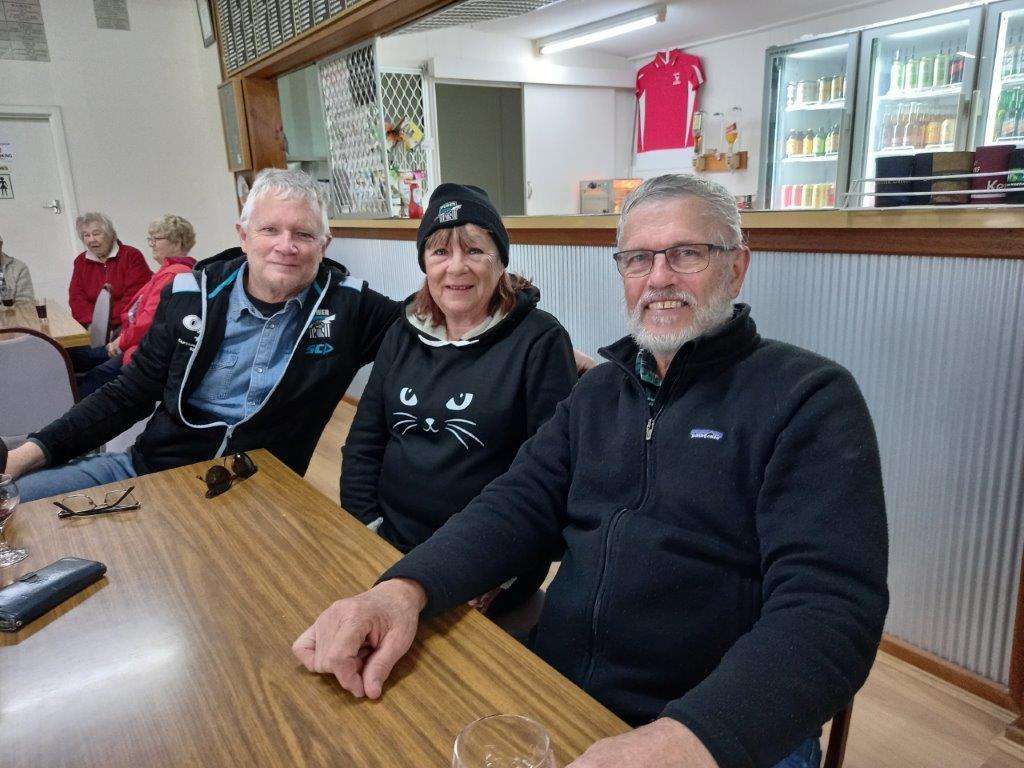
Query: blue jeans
[[807, 755], [106, 371], [76, 475]]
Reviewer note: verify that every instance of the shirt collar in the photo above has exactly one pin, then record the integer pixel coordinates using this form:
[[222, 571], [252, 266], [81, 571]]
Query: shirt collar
[[666, 58], [647, 368], [240, 301], [90, 256]]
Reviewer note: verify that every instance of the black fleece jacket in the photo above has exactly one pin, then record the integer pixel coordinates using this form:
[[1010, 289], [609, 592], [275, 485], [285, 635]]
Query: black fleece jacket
[[342, 332], [726, 549], [438, 421]]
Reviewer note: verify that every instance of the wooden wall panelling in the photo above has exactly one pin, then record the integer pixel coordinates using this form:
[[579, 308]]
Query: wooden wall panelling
[[263, 120]]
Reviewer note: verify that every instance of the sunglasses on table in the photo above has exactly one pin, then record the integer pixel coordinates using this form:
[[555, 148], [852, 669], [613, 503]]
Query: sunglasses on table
[[83, 505], [219, 478]]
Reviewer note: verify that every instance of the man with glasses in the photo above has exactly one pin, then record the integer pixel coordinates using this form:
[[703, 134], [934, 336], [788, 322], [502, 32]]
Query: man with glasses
[[719, 500], [252, 349]]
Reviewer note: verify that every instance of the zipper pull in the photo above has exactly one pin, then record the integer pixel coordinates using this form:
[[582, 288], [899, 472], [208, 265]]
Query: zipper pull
[[650, 428]]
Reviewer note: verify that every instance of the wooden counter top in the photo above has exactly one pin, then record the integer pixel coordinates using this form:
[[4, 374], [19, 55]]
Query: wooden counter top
[[971, 231]]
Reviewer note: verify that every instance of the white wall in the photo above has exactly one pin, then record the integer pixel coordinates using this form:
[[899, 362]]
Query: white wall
[[571, 132], [734, 67], [140, 115]]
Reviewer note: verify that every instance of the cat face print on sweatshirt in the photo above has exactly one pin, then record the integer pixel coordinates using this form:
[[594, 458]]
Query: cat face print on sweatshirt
[[452, 420]]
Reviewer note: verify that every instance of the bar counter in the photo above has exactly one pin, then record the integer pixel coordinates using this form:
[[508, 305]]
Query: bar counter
[[967, 231]]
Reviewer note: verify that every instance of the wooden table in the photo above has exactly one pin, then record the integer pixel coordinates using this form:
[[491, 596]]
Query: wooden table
[[59, 324], [181, 654]]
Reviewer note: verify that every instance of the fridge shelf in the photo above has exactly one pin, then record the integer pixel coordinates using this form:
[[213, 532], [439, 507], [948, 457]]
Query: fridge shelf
[[1009, 140], [913, 150], [1013, 79], [924, 93], [811, 158], [818, 106]]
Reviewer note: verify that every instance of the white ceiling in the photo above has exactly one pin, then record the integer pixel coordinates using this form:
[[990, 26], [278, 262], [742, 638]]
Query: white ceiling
[[687, 21]]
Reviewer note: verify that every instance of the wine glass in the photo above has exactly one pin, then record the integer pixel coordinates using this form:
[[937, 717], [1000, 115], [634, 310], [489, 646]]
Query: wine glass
[[9, 498], [503, 741]]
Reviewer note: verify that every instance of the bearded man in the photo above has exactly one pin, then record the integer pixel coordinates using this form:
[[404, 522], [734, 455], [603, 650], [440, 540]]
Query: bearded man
[[716, 498]]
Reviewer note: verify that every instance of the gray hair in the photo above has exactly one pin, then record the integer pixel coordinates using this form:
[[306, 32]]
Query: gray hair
[[675, 186], [286, 185], [94, 217]]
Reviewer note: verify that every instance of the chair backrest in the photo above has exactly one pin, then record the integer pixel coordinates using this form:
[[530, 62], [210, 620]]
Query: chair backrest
[[99, 329], [837, 736], [36, 382]]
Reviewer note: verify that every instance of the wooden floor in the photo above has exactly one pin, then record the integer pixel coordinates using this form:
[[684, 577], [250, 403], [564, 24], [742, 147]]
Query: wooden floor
[[903, 717]]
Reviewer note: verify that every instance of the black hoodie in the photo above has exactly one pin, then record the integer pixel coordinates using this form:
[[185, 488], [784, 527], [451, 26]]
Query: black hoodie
[[726, 548], [438, 420], [342, 332]]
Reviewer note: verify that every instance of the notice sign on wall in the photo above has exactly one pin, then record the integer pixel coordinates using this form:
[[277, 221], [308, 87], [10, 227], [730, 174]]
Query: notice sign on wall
[[22, 34], [111, 14], [6, 187], [6, 151]]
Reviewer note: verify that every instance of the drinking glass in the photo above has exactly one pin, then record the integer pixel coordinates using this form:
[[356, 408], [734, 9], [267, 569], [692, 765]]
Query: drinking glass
[[41, 309], [7, 297], [503, 741], [9, 498]]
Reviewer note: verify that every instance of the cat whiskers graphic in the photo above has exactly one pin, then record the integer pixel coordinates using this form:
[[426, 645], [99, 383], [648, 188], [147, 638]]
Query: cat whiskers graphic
[[456, 428], [408, 422]]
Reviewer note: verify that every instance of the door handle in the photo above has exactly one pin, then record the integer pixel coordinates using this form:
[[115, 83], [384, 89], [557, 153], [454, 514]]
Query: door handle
[[974, 116], [53, 205]]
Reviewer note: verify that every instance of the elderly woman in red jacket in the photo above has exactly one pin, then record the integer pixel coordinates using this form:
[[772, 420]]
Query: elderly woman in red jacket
[[171, 238], [105, 261]]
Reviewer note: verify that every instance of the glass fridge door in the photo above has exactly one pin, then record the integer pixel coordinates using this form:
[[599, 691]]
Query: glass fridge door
[[1000, 108], [808, 111], [914, 93]]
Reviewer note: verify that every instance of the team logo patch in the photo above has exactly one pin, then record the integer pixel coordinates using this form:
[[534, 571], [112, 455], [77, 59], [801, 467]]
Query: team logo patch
[[319, 350], [705, 434], [320, 328], [192, 322], [448, 212]]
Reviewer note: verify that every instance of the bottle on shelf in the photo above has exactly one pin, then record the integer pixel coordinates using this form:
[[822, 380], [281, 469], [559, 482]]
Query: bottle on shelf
[[819, 143], [1004, 99], [808, 145], [1009, 64], [910, 73], [838, 87], [947, 131], [1018, 127], [1008, 127], [933, 131], [924, 71], [1018, 66], [940, 69], [793, 144], [896, 74]]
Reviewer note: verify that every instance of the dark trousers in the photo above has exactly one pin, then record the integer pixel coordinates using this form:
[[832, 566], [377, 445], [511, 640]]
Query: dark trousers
[[99, 375]]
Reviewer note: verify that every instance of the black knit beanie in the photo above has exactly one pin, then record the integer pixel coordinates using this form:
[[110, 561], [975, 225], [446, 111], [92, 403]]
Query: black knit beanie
[[453, 205]]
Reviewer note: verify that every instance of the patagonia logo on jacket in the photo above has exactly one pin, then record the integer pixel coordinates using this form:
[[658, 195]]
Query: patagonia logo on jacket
[[705, 434]]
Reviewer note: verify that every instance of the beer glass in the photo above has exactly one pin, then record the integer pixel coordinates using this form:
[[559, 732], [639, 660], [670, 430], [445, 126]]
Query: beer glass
[[503, 741]]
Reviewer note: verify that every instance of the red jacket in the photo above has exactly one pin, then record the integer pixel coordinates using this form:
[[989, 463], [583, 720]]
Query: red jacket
[[139, 314], [126, 272]]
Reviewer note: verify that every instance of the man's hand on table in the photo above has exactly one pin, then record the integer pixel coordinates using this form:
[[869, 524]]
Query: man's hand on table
[[360, 639], [665, 743], [24, 459]]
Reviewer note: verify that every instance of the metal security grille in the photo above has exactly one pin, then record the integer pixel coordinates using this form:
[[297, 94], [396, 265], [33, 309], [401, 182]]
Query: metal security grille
[[471, 11], [403, 100], [350, 84]]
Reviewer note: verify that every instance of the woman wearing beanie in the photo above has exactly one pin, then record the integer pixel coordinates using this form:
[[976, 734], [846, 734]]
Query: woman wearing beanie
[[460, 383]]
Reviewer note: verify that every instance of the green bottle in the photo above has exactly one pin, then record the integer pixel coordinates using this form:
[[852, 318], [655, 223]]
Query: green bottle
[[910, 73], [940, 72], [1000, 114], [924, 72]]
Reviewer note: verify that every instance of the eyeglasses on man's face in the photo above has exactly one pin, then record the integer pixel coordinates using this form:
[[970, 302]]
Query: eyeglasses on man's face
[[685, 258]]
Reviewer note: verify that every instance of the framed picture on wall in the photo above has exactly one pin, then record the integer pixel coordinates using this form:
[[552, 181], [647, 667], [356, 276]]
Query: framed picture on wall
[[205, 21]]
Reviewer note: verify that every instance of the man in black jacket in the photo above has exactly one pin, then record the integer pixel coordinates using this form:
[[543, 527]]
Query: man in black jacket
[[719, 499], [253, 349]]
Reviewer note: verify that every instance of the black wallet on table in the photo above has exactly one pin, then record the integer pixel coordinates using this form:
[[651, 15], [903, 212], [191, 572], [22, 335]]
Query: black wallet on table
[[35, 593]]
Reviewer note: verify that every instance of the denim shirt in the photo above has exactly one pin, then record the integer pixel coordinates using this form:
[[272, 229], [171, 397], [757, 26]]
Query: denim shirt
[[252, 358]]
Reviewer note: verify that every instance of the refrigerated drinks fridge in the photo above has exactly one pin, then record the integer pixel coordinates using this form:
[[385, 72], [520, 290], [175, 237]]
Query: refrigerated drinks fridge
[[808, 109], [1000, 112], [914, 93]]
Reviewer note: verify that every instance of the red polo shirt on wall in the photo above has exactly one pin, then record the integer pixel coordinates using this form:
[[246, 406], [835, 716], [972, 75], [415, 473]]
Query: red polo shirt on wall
[[666, 98]]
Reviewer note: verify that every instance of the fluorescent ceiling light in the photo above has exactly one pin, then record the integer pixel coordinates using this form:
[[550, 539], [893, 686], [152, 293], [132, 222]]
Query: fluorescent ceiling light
[[815, 53], [601, 30], [910, 34]]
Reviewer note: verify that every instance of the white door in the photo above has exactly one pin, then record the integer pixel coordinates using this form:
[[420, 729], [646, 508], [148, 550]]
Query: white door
[[31, 231]]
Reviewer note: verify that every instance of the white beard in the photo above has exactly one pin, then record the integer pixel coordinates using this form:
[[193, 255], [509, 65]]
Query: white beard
[[706, 318]]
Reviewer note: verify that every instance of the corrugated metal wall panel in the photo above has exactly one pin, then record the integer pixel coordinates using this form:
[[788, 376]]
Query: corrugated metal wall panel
[[937, 348]]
